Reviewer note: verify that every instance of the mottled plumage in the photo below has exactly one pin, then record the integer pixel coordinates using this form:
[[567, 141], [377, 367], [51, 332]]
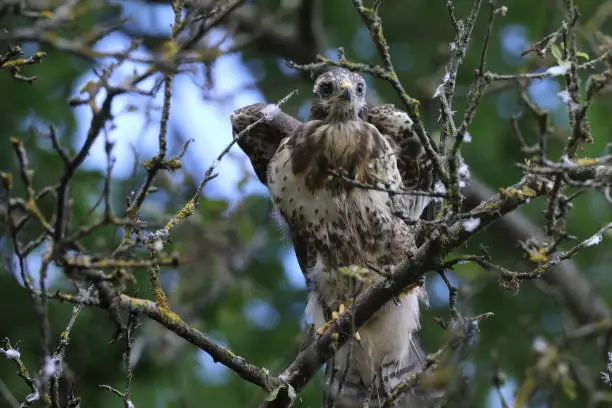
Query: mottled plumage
[[263, 140], [339, 229]]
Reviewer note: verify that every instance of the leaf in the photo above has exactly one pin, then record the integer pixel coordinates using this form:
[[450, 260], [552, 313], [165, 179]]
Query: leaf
[[90, 87], [569, 387], [274, 393], [556, 52], [583, 55]]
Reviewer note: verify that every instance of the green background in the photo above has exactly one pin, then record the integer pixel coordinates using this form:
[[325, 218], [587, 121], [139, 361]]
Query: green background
[[232, 257]]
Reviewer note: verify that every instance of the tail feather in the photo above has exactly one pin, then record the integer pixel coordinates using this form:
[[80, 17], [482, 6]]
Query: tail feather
[[344, 387]]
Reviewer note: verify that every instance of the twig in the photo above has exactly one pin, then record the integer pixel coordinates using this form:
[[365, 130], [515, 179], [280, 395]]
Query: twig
[[192, 204], [126, 394], [569, 282], [374, 25], [57, 359], [431, 363], [12, 62], [458, 50], [12, 353], [8, 396], [367, 186], [452, 296]]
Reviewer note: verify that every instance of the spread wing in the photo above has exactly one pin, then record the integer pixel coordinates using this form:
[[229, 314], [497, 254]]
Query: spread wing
[[303, 239], [412, 161], [260, 142]]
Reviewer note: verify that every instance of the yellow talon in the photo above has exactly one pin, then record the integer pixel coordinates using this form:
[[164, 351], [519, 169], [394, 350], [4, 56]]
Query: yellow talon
[[322, 329], [335, 316]]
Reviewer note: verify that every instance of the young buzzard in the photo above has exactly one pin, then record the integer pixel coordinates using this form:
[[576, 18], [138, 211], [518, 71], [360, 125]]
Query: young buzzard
[[343, 232]]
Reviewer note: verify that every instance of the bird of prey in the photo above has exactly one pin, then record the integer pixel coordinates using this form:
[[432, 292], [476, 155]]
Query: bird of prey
[[334, 180]]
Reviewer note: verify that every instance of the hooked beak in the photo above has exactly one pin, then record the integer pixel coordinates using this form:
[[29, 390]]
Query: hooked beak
[[346, 91]]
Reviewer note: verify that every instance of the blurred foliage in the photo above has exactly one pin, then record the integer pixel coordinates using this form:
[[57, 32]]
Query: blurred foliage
[[232, 255]]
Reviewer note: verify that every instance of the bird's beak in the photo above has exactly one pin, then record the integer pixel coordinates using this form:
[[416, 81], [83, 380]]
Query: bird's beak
[[346, 91]]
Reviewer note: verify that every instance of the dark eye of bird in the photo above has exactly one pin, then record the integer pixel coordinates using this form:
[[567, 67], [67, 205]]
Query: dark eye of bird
[[326, 89], [360, 89]]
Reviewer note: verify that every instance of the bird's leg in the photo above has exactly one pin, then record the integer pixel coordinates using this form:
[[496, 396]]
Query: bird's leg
[[334, 317]]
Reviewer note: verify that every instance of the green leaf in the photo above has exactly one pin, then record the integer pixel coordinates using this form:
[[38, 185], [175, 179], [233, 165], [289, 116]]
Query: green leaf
[[274, 393], [569, 387], [583, 55], [556, 52]]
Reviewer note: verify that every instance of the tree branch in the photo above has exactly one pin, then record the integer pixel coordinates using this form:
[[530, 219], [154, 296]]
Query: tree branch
[[575, 290]]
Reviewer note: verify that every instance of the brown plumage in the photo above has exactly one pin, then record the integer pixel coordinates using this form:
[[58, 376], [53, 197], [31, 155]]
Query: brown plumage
[[339, 229]]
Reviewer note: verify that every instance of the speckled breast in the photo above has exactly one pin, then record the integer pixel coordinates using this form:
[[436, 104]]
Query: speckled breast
[[346, 226]]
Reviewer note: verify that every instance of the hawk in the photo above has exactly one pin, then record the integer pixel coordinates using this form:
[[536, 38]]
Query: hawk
[[334, 180]]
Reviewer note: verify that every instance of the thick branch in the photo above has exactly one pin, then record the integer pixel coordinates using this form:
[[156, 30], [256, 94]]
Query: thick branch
[[174, 323]]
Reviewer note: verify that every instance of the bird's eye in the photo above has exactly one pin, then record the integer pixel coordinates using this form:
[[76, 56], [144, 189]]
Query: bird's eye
[[326, 89], [360, 89]]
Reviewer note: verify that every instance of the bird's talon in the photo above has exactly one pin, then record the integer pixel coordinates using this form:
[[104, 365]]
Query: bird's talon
[[334, 316], [322, 329]]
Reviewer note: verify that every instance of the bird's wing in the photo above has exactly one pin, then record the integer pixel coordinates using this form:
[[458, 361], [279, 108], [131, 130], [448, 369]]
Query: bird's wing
[[413, 163], [412, 160], [261, 142], [301, 237]]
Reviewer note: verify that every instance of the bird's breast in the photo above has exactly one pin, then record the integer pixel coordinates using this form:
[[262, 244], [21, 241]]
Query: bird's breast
[[347, 224], [346, 147]]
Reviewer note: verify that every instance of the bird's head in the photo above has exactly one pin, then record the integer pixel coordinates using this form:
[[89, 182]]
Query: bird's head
[[338, 96]]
